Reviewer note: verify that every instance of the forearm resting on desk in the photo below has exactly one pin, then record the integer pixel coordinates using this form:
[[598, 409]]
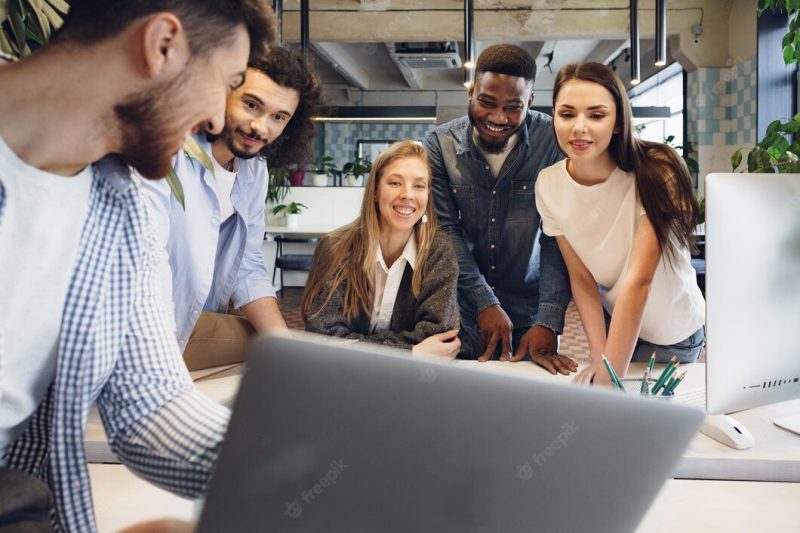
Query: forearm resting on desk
[[264, 314]]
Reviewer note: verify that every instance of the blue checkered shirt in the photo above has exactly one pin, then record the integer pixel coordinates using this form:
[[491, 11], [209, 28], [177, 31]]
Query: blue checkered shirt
[[116, 351]]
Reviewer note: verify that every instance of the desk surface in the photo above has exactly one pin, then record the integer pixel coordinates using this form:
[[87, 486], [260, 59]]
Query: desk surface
[[313, 230], [121, 500], [775, 456]]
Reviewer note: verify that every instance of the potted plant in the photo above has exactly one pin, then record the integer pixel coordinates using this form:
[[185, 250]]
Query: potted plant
[[278, 186], [325, 169], [356, 169], [292, 211], [779, 150]]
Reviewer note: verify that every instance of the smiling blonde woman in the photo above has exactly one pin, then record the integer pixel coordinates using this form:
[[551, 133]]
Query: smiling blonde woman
[[390, 276]]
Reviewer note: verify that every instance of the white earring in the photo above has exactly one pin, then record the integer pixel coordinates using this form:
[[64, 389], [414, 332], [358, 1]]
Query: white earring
[[425, 218]]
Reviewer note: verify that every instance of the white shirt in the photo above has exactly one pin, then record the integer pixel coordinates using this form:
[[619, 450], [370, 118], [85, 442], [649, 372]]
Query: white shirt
[[600, 222], [223, 181], [387, 283], [496, 160], [40, 229]]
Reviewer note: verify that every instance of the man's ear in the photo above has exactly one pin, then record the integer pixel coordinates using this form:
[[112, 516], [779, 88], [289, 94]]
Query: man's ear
[[164, 45]]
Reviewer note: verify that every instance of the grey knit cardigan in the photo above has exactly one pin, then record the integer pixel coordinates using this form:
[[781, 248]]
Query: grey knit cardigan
[[413, 319]]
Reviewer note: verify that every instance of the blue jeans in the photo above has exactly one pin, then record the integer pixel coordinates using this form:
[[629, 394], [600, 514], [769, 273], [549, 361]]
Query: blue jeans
[[687, 350]]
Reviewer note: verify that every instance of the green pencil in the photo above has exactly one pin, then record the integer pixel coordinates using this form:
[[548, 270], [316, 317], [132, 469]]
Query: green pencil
[[670, 383], [651, 363], [610, 369], [645, 389], [673, 386], [665, 374]]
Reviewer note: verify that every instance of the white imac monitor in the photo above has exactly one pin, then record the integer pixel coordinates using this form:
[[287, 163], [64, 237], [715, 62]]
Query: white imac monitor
[[752, 292]]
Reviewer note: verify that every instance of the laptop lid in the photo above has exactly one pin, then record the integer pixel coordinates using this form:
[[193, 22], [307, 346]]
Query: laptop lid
[[335, 438]]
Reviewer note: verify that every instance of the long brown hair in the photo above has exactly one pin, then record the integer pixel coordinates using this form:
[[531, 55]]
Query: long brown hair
[[663, 182], [346, 256]]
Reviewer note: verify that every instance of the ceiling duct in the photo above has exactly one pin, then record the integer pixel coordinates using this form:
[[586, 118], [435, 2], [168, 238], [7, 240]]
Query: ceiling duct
[[427, 55]]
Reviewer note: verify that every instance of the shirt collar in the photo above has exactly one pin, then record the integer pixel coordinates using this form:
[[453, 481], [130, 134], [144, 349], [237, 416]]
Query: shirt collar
[[409, 253]]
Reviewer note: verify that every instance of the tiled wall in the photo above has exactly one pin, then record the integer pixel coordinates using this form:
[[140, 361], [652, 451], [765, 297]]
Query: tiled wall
[[721, 114], [340, 139], [721, 105]]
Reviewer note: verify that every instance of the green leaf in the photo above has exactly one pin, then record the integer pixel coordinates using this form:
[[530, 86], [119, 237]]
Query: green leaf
[[773, 127], [788, 54], [176, 188], [16, 21], [52, 15], [192, 147], [60, 5], [736, 159]]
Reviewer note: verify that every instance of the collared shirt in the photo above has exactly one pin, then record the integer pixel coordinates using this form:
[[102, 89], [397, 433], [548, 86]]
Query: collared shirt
[[387, 282], [212, 262], [116, 351], [495, 225]]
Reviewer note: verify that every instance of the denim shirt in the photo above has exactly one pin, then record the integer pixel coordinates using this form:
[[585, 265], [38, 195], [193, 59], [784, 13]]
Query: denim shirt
[[211, 262], [495, 225]]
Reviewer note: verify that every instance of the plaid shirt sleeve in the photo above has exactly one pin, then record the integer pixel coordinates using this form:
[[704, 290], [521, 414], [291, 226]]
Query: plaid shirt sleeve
[[157, 422]]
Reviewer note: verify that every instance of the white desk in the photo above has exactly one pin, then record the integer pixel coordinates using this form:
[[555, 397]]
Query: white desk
[[689, 505], [121, 500], [312, 230]]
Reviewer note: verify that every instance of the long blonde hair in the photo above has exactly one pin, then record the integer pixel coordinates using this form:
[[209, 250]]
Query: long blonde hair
[[348, 257]]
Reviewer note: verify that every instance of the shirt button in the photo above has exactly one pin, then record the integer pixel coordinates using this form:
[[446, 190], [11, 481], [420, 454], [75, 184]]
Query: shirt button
[[492, 267], [524, 187], [214, 220], [492, 246], [492, 220], [76, 485], [194, 312], [455, 191], [492, 287], [487, 167], [494, 192]]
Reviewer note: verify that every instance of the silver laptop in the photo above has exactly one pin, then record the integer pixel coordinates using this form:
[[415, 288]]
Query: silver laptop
[[365, 439]]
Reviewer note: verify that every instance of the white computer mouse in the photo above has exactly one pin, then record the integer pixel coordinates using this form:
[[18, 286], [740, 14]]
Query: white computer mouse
[[724, 429]]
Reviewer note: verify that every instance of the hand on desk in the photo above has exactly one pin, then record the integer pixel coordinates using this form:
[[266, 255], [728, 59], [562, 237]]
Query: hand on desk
[[541, 344], [446, 344], [494, 326], [594, 374]]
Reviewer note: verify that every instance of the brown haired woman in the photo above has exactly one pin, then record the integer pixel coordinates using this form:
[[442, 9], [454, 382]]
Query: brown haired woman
[[622, 211], [390, 276]]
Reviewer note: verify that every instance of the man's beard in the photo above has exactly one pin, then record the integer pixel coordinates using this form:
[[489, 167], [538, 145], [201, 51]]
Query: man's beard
[[485, 146], [150, 135], [228, 137]]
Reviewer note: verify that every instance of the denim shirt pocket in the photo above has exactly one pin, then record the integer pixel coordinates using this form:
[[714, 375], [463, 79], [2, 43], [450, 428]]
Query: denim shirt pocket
[[523, 202], [464, 196]]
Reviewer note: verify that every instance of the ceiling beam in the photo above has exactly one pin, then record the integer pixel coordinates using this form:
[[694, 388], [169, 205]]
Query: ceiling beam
[[605, 51], [343, 63], [422, 25]]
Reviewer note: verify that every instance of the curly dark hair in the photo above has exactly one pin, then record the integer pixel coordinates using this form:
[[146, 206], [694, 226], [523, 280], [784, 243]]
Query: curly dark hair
[[507, 59], [289, 69]]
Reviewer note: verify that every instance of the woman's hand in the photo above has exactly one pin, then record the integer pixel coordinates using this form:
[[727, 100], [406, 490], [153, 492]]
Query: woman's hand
[[594, 374], [445, 344]]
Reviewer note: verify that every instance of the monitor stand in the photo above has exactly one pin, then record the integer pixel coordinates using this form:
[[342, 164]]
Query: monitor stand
[[791, 423]]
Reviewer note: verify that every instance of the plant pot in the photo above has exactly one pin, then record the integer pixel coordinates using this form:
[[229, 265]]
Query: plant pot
[[320, 180], [354, 181], [293, 221], [296, 177]]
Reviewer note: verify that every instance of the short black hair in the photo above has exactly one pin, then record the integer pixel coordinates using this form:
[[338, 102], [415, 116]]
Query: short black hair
[[507, 59], [289, 69], [207, 23]]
